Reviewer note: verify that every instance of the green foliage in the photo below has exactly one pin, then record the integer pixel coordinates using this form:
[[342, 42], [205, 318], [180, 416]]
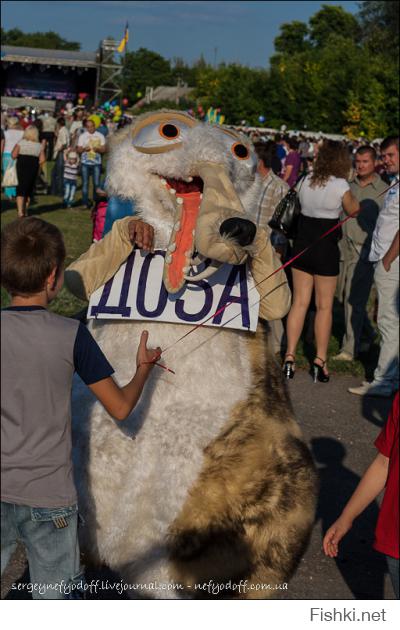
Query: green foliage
[[144, 68], [331, 21], [50, 40], [239, 91], [292, 38], [380, 26], [183, 105]]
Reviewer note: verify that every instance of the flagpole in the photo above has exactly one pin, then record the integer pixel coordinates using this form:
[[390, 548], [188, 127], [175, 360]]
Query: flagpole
[[125, 51]]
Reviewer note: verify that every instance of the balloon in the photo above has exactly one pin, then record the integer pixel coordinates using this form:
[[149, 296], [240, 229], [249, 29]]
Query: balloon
[[116, 118], [96, 119], [113, 103], [125, 101], [139, 94], [261, 119], [80, 101]]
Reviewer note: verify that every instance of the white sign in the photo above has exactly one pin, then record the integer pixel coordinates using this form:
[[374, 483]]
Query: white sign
[[137, 292]]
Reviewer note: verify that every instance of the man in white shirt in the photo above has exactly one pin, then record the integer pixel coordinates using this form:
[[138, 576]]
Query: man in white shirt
[[91, 146], [384, 254]]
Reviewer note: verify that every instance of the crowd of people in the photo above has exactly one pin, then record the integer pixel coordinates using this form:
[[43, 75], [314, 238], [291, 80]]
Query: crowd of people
[[345, 262], [332, 256], [333, 179], [72, 140]]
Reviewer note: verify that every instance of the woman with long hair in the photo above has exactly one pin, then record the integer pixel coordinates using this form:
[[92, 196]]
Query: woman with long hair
[[323, 194], [29, 154]]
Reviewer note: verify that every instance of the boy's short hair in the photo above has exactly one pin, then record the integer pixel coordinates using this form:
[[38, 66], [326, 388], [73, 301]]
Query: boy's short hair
[[30, 250]]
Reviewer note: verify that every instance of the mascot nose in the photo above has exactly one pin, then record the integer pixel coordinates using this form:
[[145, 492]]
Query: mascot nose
[[242, 230]]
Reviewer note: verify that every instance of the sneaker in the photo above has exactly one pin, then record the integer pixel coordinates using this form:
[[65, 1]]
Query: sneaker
[[343, 356], [371, 389]]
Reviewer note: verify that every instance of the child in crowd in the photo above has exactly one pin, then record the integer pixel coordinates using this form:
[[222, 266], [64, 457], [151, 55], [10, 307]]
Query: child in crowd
[[382, 473], [71, 165], [40, 352]]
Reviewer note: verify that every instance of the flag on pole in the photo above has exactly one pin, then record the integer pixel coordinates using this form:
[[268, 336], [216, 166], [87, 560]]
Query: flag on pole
[[124, 40]]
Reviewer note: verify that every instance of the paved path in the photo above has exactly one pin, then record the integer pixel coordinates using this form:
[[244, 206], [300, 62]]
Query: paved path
[[340, 429]]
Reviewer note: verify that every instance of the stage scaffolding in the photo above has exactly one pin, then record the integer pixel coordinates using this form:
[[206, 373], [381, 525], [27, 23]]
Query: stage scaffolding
[[108, 72]]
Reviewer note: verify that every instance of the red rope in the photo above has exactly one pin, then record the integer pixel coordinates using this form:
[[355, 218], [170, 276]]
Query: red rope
[[283, 266]]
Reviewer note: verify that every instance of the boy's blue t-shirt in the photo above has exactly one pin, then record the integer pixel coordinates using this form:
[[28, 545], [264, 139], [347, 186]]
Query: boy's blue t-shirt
[[40, 351]]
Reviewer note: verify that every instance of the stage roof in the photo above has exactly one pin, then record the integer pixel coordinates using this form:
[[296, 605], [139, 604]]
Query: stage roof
[[43, 56]]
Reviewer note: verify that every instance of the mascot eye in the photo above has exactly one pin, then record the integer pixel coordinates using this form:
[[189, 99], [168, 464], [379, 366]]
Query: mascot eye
[[168, 131], [240, 151]]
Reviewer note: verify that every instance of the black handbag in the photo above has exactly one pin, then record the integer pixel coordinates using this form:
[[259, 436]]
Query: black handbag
[[286, 216]]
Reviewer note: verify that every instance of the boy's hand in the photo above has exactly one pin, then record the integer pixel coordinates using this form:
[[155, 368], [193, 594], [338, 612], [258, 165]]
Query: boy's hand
[[146, 357], [334, 535], [142, 235]]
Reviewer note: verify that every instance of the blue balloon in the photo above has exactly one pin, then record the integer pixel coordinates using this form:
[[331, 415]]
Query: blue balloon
[[261, 119]]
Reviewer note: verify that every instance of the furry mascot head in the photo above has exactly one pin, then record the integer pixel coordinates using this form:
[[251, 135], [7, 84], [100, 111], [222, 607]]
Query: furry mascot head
[[208, 479]]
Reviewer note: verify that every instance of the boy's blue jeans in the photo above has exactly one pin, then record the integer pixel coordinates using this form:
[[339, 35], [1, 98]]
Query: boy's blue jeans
[[50, 537], [69, 190], [88, 170]]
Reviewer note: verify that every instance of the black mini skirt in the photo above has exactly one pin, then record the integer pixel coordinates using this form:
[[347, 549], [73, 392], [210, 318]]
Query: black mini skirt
[[323, 257]]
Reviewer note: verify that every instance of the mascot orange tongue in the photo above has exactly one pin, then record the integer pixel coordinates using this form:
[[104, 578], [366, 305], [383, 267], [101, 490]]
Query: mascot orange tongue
[[181, 246]]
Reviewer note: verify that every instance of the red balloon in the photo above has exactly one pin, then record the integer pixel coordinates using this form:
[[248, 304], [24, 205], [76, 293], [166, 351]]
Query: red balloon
[[125, 101]]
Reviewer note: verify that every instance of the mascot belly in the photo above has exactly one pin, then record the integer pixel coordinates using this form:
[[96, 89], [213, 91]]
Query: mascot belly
[[208, 481]]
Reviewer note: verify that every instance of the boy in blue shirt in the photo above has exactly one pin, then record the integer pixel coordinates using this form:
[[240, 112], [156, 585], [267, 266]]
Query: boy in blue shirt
[[40, 353]]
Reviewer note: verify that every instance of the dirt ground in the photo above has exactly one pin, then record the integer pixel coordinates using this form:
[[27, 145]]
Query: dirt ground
[[340, 429]]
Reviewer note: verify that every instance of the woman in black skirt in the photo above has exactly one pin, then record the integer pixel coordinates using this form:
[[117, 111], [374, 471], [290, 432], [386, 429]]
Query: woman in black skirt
[[323, 194], [29, 154]]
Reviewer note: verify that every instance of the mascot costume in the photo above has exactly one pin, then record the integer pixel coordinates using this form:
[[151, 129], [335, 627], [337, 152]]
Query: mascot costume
[[208, 482]]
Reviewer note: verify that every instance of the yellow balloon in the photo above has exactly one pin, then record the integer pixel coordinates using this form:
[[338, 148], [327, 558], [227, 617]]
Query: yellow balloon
[[96, 119]]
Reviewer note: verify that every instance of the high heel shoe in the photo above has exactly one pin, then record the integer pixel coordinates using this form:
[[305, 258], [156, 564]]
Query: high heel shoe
[[287, 369], [318, 373]]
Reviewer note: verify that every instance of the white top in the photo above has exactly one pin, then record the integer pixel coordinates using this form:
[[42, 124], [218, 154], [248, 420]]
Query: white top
[[91, 140], [75, 125], [11, 137], [62, 141], [28, 147], [322, 202], [387, 225]]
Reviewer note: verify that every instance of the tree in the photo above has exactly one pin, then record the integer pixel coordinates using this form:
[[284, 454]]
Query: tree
[[144, 68], [49, 40], [292, 38], [380, 25], [331, 20]]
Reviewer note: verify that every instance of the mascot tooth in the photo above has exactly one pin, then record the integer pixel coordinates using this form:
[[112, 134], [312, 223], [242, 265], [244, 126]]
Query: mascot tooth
[[217, 483]]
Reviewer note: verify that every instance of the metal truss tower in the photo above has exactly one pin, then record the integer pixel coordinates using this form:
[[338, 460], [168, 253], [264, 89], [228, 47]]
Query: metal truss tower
[[107, 88]]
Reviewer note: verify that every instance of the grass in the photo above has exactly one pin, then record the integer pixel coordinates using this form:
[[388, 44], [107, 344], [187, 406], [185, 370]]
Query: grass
[[76, 226]]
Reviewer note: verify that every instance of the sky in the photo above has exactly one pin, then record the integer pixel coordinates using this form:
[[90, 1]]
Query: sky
[[227, 31]]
